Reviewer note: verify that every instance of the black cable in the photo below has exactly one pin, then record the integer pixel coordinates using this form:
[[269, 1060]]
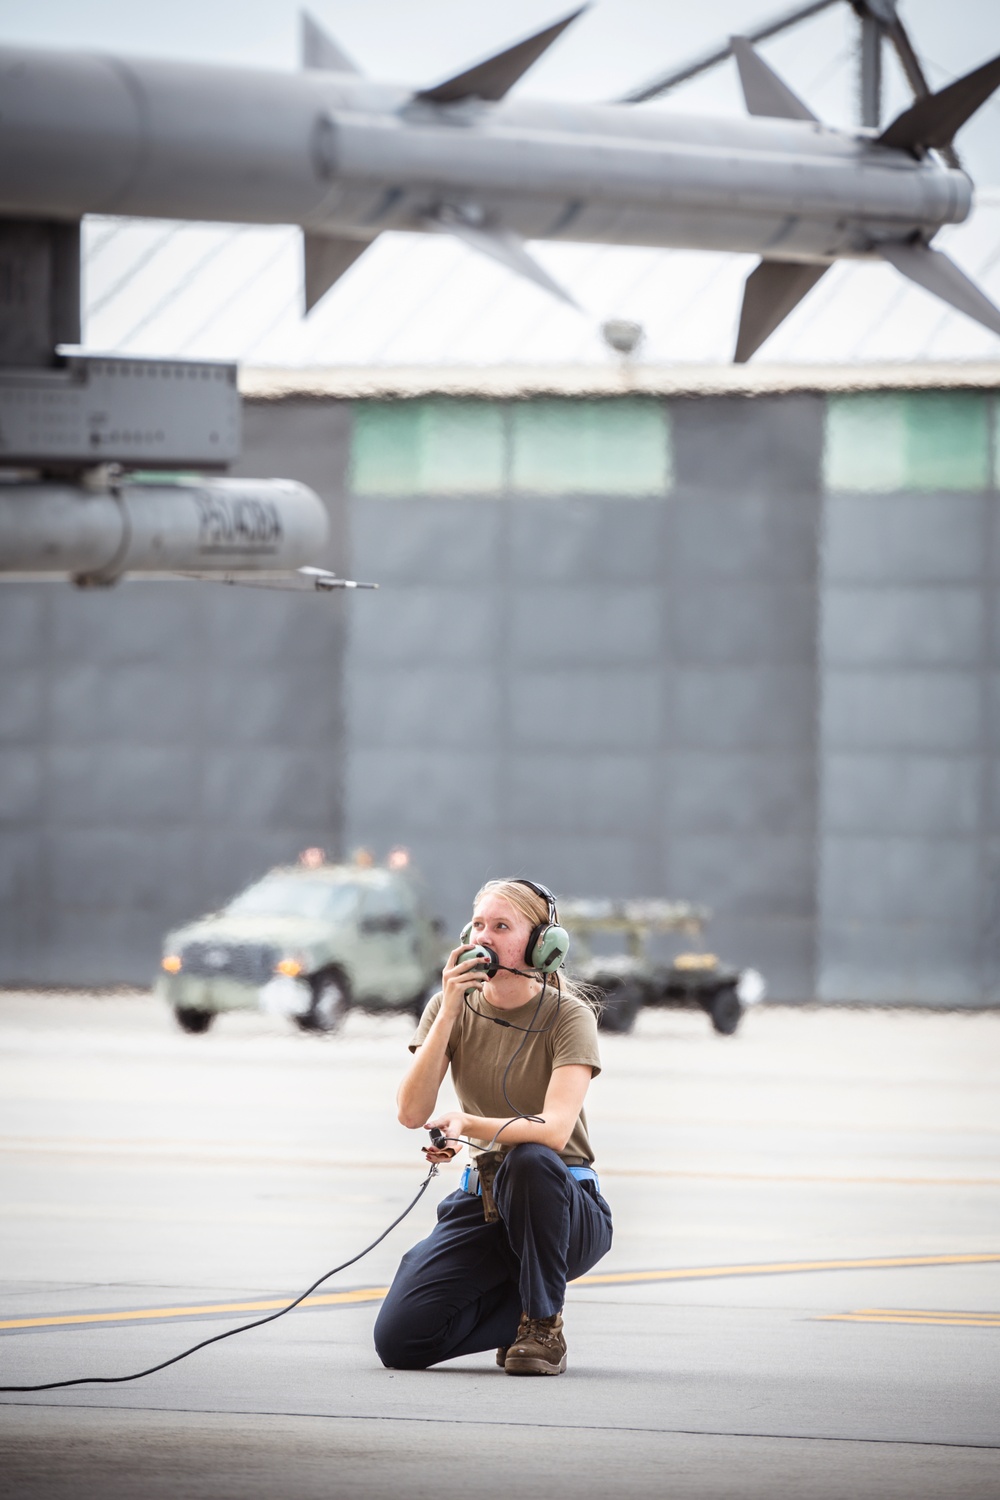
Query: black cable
[[55, 1385], [529, 1030]]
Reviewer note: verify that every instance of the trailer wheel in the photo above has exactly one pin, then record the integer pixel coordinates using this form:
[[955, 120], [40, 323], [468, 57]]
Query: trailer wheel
[[620, 1008], [725, 1010]]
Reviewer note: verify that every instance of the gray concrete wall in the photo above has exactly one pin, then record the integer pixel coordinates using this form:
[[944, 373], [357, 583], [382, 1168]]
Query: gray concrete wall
[[741, 777], [616, 696], [908, 871], [907, 876]]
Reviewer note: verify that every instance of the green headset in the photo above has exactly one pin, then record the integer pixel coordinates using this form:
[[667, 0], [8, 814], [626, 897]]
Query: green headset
[[548, 942]]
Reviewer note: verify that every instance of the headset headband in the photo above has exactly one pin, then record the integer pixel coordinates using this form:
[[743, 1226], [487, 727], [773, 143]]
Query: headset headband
[[544, 892]]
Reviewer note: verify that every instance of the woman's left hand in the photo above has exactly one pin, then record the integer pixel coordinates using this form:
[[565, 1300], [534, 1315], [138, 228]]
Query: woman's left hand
[[452, 1125]]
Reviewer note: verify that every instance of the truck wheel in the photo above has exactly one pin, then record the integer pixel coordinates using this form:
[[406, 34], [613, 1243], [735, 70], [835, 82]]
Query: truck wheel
[[330, 1003], [189, 1019], [725, 1010], [621, 1006]]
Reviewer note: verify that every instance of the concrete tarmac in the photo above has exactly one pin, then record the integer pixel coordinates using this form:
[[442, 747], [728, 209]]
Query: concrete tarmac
[[802, 1301]]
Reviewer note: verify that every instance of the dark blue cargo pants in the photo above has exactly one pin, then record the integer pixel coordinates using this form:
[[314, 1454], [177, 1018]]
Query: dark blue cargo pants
[[462, 1290]]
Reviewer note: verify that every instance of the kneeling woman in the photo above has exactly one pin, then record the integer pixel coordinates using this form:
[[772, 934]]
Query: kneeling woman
[[522, 1047]]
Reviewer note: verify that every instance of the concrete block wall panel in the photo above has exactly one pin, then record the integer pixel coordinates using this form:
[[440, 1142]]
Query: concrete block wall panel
[[161, 744], [988, 909], [908, 539], [628, 673], [587, 543], [927, 626], [420, 688], [931, 963], [901, 711], [22, 706], [783, 948], [309, 441], [518, 662], [907, 887], [739, 768], [881, 796], [611, 792]]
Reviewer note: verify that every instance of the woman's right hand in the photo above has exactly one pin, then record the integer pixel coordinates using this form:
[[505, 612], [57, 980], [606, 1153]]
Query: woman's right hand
[[460, 974]]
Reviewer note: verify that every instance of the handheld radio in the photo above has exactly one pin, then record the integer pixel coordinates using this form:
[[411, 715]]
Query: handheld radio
[[488, 961]]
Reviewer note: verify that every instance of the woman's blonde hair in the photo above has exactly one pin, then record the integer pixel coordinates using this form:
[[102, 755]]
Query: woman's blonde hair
[[526, 900]]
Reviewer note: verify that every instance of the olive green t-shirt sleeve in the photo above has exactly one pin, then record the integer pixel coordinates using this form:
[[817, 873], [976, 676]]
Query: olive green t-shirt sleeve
[[575, 1038], [425, 1023]]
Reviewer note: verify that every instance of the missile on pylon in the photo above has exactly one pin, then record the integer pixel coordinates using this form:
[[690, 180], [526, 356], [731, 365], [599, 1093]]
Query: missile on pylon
[[97, 532], [346, 158], [96, 454]]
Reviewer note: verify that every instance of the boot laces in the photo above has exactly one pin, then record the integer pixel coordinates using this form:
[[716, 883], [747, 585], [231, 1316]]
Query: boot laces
[[537, 1330]]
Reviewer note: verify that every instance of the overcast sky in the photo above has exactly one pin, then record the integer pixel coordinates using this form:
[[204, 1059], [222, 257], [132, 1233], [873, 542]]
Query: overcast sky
[[227, 292]]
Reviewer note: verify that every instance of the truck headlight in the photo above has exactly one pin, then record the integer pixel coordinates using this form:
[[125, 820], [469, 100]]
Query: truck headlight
[[172, 963], [750, 987], [292, 967]]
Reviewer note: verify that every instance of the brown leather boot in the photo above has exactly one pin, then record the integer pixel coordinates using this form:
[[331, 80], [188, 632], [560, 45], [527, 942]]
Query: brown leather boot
[[539, 1349]]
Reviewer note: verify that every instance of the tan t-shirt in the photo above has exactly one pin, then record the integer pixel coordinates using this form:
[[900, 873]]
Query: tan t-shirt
[[479, 1052]]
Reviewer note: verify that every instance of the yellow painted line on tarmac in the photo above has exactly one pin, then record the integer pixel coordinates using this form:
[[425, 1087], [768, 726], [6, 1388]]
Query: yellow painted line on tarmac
[[915, 1318], [779, 1268], [604, 1278], [201, 1310]]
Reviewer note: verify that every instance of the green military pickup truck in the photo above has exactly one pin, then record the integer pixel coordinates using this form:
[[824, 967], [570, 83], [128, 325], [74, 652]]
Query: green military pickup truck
[[308, 942]]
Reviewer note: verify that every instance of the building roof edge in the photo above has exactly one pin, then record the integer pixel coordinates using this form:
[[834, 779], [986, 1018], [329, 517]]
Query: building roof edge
[[513, 382]]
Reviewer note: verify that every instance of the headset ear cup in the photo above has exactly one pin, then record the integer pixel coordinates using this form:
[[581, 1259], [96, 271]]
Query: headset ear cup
[[532, 944], [547, 947], [466, 933]]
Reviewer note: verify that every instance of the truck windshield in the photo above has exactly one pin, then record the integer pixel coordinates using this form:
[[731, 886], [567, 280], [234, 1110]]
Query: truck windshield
[[291, 896]]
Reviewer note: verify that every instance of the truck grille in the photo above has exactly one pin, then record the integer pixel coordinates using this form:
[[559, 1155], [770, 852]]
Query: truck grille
[[251, 963]]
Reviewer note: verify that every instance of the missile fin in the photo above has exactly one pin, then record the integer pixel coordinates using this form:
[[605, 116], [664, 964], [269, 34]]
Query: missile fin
[[770, 293], [765, 93], [326, 260], [491, 79], [937, 273], [936, 119], [319, 51], [506, 247]]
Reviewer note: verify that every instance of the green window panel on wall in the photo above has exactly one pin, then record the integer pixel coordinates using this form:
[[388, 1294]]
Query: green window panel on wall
[[612, 447], [907, 440], [437, 446]]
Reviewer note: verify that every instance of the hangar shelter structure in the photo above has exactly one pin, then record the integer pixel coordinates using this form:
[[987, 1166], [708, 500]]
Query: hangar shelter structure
[[726, 635]]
